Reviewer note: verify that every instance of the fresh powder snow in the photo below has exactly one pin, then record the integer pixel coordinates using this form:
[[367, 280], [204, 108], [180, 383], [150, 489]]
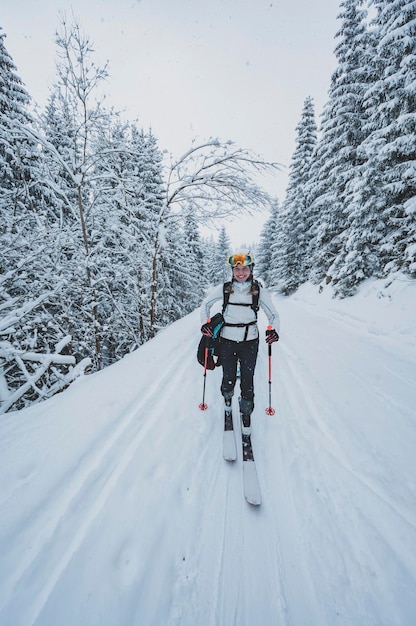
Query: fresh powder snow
[[118, 509]]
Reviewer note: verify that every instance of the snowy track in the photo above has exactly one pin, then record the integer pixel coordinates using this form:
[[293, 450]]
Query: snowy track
[[117, 508]]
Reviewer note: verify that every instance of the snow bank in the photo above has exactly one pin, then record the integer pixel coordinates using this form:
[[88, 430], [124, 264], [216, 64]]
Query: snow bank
[[381, 307]]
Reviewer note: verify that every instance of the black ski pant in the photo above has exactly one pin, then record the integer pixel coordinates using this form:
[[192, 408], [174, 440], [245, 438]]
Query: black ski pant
[[230, 353]]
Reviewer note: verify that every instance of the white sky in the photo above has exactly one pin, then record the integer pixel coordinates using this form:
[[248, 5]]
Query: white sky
[[233, 69]]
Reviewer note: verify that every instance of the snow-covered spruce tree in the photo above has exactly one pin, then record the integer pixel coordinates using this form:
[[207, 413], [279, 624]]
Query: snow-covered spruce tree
[[277, 261], [31, 335], [181, 276], [341, 133], [173, 278], [112, 240], [384, 223], [17, 153], [397, 50], [209, 247], [268, 235], [196, 265], [359, 253], [152, 201], [183, 271], [220, 268], [297, 222], [127, 212], [21, 202], [213, 180], [23, 205]]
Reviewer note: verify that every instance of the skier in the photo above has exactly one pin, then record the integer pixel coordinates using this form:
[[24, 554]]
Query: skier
[[239, 335]]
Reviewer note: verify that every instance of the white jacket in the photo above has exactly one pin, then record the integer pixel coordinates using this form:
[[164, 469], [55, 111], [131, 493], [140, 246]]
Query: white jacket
[[240, 314]]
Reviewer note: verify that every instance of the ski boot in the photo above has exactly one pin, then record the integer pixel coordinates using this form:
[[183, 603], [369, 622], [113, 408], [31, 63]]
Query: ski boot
[[228, 416]]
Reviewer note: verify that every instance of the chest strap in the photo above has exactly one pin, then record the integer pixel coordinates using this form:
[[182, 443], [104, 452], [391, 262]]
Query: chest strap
[[241, 326]]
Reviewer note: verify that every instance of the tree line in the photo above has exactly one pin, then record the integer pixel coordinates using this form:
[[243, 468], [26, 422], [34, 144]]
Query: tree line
[[350, 205], [99, 236]]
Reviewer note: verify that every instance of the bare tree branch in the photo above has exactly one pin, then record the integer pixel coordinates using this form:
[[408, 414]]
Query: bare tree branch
[[216, 179]]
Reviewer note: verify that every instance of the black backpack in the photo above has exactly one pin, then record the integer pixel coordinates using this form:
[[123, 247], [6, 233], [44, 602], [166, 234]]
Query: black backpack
[[212, 343]]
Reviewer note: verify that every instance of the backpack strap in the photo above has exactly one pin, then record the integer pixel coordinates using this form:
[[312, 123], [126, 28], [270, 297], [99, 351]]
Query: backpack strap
[[255, 298], [225, 295], [254, 305]]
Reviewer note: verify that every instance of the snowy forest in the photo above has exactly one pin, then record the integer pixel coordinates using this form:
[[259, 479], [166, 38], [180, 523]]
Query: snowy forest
[[349, 209], [100, 246], [99, 238]]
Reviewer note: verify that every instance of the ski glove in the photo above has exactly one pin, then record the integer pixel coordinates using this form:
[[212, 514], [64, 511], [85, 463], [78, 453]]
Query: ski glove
[[271, 336], [206, 330]]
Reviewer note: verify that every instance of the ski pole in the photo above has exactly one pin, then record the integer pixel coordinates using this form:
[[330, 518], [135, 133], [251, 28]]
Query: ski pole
[[203, 406], [270, 409]]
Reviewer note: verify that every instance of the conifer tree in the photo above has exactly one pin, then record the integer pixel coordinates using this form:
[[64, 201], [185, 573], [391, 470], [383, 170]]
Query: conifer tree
[[196, 265], [29, 235], [385, 225], [290, 256], [25, 242], [209, 255], [221, 269], [17, 153], [264, 256], [133, 197], [340, 135], [118, 239]]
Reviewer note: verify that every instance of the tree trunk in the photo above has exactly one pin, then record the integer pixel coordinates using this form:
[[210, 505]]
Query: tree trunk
[[153, 287], [98, 353]]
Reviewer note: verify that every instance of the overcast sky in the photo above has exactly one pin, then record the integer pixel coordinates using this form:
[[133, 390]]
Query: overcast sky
[[233, 69]]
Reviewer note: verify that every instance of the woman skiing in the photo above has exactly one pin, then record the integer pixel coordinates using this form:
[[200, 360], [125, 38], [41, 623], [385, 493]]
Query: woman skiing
[[239, 341]]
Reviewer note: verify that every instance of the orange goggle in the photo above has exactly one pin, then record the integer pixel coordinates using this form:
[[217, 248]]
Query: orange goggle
[[240, 259]]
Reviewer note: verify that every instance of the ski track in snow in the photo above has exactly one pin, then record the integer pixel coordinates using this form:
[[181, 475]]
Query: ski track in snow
[[344, 508], [92, 483], [119, 510]]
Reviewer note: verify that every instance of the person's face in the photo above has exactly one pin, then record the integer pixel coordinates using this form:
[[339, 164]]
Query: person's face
[[241, 273]]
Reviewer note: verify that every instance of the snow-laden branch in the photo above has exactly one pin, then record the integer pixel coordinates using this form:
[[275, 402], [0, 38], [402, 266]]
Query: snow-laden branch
[[217, 178], [15, 316], [40, 363]]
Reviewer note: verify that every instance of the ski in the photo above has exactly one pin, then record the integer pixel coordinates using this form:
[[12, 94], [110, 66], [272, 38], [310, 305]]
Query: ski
[[250, 479], [229, 445]]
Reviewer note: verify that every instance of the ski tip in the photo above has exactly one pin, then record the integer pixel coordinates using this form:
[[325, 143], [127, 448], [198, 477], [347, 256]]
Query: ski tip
[[253, 499], [254, 502], [251, 484]]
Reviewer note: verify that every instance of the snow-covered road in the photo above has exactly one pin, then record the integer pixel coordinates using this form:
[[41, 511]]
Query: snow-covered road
[[117, 509]]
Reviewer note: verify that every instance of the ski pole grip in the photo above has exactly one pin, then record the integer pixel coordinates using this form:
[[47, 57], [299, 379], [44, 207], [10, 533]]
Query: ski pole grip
[[269, 350]]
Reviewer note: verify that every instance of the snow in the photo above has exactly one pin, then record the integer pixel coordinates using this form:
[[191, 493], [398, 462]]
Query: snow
[[118, 509]]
